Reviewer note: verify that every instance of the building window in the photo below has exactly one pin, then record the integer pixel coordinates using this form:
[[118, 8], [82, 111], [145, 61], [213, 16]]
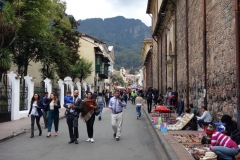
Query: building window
[[98, 60]]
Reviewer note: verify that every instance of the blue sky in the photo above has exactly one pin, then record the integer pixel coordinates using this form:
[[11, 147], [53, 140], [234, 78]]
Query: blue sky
[[83, 9]]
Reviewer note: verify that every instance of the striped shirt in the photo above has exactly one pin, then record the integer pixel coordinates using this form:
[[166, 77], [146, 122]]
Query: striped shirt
[[219, 139]]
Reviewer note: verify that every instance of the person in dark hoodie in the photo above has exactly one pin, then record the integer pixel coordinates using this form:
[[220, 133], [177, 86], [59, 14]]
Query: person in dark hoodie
[[230, 125]]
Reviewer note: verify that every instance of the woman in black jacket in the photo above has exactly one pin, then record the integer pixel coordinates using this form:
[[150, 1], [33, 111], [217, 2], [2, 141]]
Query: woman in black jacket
[[53, 114], [35, 112]]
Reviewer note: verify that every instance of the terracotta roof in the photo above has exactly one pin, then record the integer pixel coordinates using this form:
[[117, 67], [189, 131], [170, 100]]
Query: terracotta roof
[[95, 39]]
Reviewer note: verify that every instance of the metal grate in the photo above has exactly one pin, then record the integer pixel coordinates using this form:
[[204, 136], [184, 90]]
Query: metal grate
[[5, 103]]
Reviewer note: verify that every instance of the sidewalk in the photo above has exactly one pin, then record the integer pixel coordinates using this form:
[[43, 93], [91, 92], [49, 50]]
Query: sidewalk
[[14, 128], [173, 149]]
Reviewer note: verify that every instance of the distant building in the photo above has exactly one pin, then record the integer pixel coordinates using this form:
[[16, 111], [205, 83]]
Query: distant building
[[102, 57]]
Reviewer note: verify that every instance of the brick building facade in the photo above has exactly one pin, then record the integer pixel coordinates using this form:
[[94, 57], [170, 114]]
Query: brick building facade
[[194, 52]]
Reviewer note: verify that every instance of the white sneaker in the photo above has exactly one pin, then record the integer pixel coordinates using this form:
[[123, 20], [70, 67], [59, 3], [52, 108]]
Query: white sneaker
[[92, 140], [89, 139], [200, 129]]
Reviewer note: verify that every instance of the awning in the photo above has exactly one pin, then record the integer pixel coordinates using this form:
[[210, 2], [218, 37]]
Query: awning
[[106, 59], [103, 76]]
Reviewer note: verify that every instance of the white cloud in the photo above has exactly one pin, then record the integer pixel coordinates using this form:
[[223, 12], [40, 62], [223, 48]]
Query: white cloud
[[83, 9]]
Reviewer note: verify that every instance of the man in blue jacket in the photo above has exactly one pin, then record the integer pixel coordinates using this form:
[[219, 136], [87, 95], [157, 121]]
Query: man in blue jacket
[[45, 101]]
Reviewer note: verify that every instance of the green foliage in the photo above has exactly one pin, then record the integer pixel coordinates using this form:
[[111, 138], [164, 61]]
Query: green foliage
[[43, 34], [126, 35], [132, 71], [5, 62], [82, 69], [118, 80]]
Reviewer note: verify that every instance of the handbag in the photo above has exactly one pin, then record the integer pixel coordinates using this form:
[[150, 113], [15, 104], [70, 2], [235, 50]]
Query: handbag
[[96, 111]]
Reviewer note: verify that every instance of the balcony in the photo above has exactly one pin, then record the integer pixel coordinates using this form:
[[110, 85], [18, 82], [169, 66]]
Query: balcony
[[104, 74], [98, 68]]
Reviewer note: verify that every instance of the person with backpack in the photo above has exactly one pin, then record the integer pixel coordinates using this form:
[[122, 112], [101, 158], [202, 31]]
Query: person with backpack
[[100, 103], [149, 96], [139, 104]]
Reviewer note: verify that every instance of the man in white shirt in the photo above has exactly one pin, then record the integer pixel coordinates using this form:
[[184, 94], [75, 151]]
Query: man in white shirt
[[205, 119]]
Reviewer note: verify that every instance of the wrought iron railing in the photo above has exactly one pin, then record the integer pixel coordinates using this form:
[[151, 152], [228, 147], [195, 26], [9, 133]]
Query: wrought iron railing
[[5, 103], [23, 97]]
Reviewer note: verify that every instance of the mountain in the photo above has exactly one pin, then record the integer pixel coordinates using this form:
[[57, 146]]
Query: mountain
[[126, 35]]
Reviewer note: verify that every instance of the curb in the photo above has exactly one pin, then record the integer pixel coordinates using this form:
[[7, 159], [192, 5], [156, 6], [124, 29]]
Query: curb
[[20, 132], [165, 145]]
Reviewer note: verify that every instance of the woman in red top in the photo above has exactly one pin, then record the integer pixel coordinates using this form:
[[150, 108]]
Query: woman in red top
[[88, 115], [223, 146]]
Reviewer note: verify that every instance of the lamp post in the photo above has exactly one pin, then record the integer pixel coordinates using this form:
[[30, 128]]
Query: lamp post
[[2, 3]]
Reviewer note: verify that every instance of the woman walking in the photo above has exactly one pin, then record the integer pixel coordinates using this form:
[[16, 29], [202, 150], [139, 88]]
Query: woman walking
[[35, 112], [53, 114], [139, 103], [88, 115], [100, 104]]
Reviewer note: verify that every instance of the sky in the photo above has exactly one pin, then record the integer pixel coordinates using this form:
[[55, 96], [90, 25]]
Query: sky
[[83, 9]]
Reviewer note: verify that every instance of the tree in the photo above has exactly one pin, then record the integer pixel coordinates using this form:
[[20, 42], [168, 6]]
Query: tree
[[5, 62], [132, 71], [118, 80], [37, 17], [82, 69]]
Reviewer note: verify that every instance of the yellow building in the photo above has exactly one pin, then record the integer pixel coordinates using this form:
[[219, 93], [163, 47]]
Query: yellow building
[[97, 52]]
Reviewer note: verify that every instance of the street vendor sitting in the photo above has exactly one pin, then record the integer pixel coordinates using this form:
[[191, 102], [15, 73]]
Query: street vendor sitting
[[223, 146], [205, 119], [230, 125]]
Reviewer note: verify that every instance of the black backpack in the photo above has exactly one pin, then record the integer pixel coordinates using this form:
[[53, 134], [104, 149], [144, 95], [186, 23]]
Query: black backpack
[[235, 136]]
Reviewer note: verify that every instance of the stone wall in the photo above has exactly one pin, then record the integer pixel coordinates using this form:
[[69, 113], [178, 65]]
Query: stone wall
[[155, 62], [195, 50], [181, 49], [221, 57]]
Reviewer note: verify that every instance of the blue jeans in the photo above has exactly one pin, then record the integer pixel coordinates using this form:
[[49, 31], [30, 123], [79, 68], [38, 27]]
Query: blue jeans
[[100, 106], [138, 109], [53, 117], [201, 123], [225, 152]]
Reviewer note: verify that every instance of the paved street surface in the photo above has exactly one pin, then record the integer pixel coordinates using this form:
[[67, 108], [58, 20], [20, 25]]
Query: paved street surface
[[138, 142]]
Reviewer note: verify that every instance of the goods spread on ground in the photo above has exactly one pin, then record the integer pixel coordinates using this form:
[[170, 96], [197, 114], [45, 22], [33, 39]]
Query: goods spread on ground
[[187, 138], [181, 123], [197, 150]]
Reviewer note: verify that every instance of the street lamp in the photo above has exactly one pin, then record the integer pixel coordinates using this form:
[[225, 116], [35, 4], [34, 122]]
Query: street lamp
[[2, 3]]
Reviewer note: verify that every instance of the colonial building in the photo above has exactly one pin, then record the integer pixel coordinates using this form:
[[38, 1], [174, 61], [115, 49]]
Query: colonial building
[[146, 57], [102, 57], [196, 52]]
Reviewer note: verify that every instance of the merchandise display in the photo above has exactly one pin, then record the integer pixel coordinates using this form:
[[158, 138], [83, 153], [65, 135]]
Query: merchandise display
[[197, 150], [181, 123], [187, 138]]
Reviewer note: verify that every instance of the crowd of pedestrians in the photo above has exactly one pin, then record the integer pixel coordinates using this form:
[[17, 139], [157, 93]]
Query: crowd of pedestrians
[[87, 108], [93, 103]]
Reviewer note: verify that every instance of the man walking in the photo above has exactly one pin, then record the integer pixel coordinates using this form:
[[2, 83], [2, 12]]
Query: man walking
[[107, 97], [72, 119], [45, 100], [116, 105]]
